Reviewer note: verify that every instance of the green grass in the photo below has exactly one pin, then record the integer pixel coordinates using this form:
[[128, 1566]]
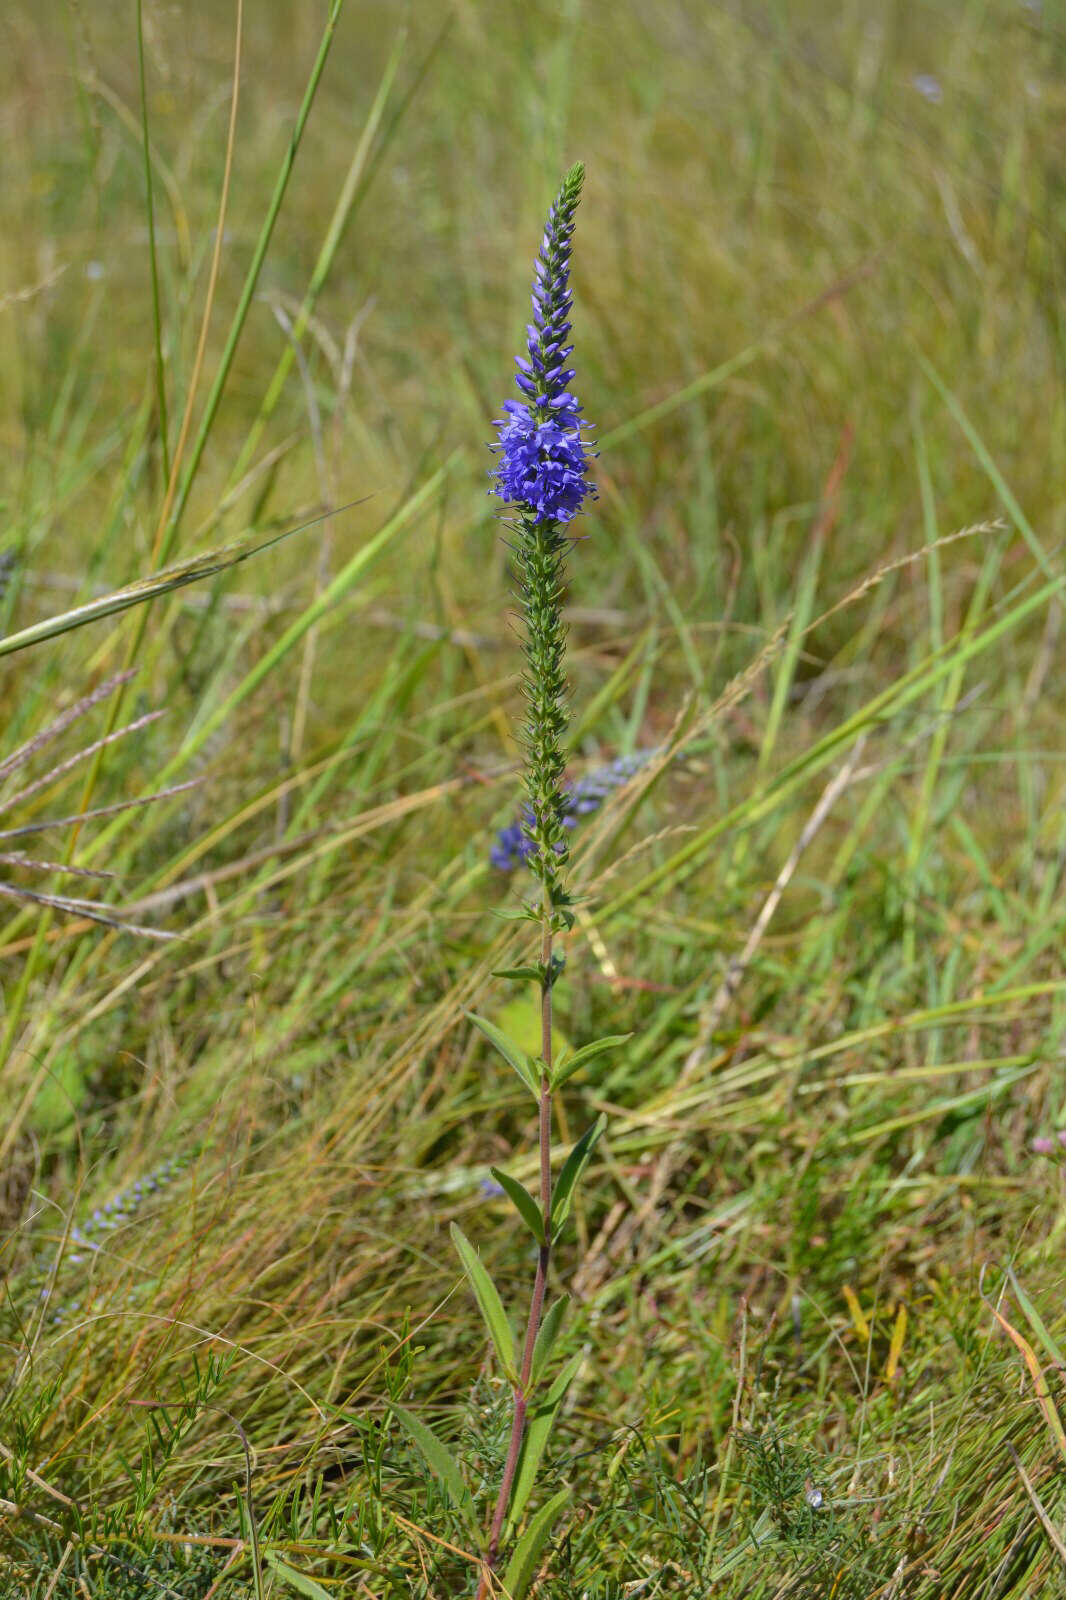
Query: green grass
[[818, 323]]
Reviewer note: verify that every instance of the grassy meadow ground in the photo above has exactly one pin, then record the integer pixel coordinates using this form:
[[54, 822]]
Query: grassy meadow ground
[[817, 1264]]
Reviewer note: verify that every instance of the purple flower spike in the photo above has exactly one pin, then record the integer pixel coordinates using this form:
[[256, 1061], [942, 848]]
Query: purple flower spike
[[543, 458]]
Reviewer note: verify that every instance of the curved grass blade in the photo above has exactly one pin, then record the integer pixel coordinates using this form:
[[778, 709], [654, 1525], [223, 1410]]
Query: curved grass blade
[[193, 570], [168, 530], [297, 1581]]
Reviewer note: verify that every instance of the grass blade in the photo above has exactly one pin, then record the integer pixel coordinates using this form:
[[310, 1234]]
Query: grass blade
[[298, 1581]]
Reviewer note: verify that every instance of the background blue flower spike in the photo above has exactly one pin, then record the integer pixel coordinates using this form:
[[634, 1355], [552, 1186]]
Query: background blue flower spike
[[513, 847]]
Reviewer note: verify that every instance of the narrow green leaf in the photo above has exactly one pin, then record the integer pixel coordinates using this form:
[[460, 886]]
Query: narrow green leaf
[[984, 456], [563, 1380], [511, 1054], [550, 1329], [440, 1461], [353, 191], [522, 1567], [539, 1425], [225, 361], [573, 1166], [488, 1300], [588, 1052], [324, 601], [524, 1202], [517, 973], [523, 1564], [297, 1580]]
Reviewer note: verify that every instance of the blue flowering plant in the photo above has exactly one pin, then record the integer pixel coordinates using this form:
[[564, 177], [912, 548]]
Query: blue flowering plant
[[541, 474]]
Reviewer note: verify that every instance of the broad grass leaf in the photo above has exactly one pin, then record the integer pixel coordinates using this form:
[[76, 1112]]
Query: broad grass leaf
[[299, 1581]]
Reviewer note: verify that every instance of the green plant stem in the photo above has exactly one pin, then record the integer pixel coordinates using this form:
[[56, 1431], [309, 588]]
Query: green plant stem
[[540, 1284]]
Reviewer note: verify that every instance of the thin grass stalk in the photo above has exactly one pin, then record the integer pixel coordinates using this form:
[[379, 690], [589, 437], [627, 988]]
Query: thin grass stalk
[[166, 541], [153, 255], [351, 189], [172, 472], [159, 553]]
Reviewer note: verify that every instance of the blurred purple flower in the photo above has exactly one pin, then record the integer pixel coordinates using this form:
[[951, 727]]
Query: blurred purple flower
[[513, 846], [928, 87]]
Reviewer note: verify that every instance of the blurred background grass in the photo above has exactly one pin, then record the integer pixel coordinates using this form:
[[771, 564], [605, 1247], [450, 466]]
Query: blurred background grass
[[818, 320]]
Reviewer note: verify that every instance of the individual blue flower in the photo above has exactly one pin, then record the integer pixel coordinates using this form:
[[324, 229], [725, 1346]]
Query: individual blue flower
[[543, 459], [928, 87]]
